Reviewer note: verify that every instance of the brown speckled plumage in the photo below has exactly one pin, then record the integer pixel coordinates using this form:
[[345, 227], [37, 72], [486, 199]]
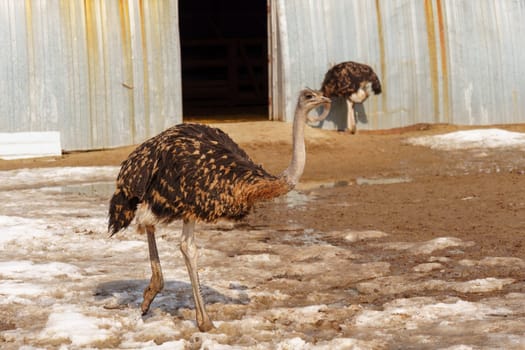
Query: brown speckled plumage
[[191, 172], [196, 173], [345, 79]]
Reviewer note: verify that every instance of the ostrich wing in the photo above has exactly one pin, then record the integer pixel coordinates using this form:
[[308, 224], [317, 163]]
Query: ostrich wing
[[142, 165], [138, 169], [192, 171]]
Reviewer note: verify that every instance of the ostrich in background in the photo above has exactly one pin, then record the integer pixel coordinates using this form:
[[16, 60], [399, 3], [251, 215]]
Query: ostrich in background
[[195, 173], [353, 81]]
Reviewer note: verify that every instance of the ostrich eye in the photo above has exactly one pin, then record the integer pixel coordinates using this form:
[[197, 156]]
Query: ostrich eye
[[309, 96]]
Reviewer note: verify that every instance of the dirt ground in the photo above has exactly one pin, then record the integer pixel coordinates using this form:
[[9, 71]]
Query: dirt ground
[[491, 183], [473, 195], [376, 181], [476, 196]]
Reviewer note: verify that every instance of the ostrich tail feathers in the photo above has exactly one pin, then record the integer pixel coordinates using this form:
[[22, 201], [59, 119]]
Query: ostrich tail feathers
[[121, 211], [376, 86]]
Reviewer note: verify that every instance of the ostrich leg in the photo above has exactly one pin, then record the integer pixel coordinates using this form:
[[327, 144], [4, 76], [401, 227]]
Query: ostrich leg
[[189, 251], [350, 116], [156, 282]]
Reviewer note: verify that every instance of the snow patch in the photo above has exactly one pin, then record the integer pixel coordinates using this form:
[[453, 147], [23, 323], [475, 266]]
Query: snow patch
[[46, 177], [429, 246], [58, 262], [19, 291], [258, 258], [482, 285], [469, 139], [354, 236], [17, 228], [414, 312], [69, 323], [495, 261], [29, 270], [427, 267]]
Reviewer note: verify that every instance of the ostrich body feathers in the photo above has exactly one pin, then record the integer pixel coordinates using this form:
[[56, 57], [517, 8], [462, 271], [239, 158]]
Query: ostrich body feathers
[[346, 78], [190, 172]]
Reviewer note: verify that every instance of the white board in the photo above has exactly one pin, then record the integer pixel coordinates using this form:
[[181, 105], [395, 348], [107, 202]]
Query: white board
[[18, 145]]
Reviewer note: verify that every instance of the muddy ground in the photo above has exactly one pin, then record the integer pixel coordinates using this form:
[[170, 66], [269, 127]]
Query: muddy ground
[[474, 194], [369, 182]]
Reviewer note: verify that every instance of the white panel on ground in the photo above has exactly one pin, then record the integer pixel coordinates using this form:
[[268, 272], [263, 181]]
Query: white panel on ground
[[19, 145]]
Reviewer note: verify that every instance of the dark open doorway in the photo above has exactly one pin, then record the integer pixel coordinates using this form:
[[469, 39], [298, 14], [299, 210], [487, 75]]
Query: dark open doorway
[[224, 56]]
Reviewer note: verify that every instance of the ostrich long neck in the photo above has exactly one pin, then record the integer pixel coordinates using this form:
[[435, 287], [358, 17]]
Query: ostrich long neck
[[296, 167]]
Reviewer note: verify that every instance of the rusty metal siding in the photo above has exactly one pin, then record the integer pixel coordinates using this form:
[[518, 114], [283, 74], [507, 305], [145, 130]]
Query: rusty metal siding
[[440, 61], [486, 61], [103, 73]]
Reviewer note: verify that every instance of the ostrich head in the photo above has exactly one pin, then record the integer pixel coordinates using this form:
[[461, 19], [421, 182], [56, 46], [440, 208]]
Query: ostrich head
[[310, 99]]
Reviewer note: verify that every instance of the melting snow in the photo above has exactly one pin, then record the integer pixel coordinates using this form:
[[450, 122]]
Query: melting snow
[[69, 324], [46, 177], [65, 284], [28, 269], [427, 247], [12, 291], [467, 139], [354, 236], [414, 311], [17, 228]]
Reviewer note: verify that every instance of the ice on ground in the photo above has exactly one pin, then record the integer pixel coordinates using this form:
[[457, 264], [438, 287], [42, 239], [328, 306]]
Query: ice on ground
[[495, 261], [66, 323], [427, 247], [66, 285], [354, 236], [12, 291], [427, 267], [468, 139], [18, 228], [392, 285], [413, 312], [481, 285], [41, 177], [30, 270]]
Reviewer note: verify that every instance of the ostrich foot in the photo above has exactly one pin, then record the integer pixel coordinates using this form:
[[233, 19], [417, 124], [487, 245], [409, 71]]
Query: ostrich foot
[[205, 325], [149, 294]]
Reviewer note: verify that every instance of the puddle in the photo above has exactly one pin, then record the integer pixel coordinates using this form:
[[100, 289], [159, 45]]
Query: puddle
[[358, 181], [297, 199], [382, 181], [309, 185], [294, 199]]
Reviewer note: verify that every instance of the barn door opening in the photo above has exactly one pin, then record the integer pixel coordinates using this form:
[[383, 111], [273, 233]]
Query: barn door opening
[[224, 57]]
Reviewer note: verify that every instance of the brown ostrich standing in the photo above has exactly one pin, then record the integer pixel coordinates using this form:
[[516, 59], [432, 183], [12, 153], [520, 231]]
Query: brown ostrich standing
[[353, 81], [194, 172]]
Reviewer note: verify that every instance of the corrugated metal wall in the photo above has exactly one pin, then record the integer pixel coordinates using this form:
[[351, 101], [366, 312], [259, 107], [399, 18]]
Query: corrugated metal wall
[[439, 61], [103, 73], [107, 73]]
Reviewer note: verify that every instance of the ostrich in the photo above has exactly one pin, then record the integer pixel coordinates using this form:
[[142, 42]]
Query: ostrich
[[353, 81], [195, 173]]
